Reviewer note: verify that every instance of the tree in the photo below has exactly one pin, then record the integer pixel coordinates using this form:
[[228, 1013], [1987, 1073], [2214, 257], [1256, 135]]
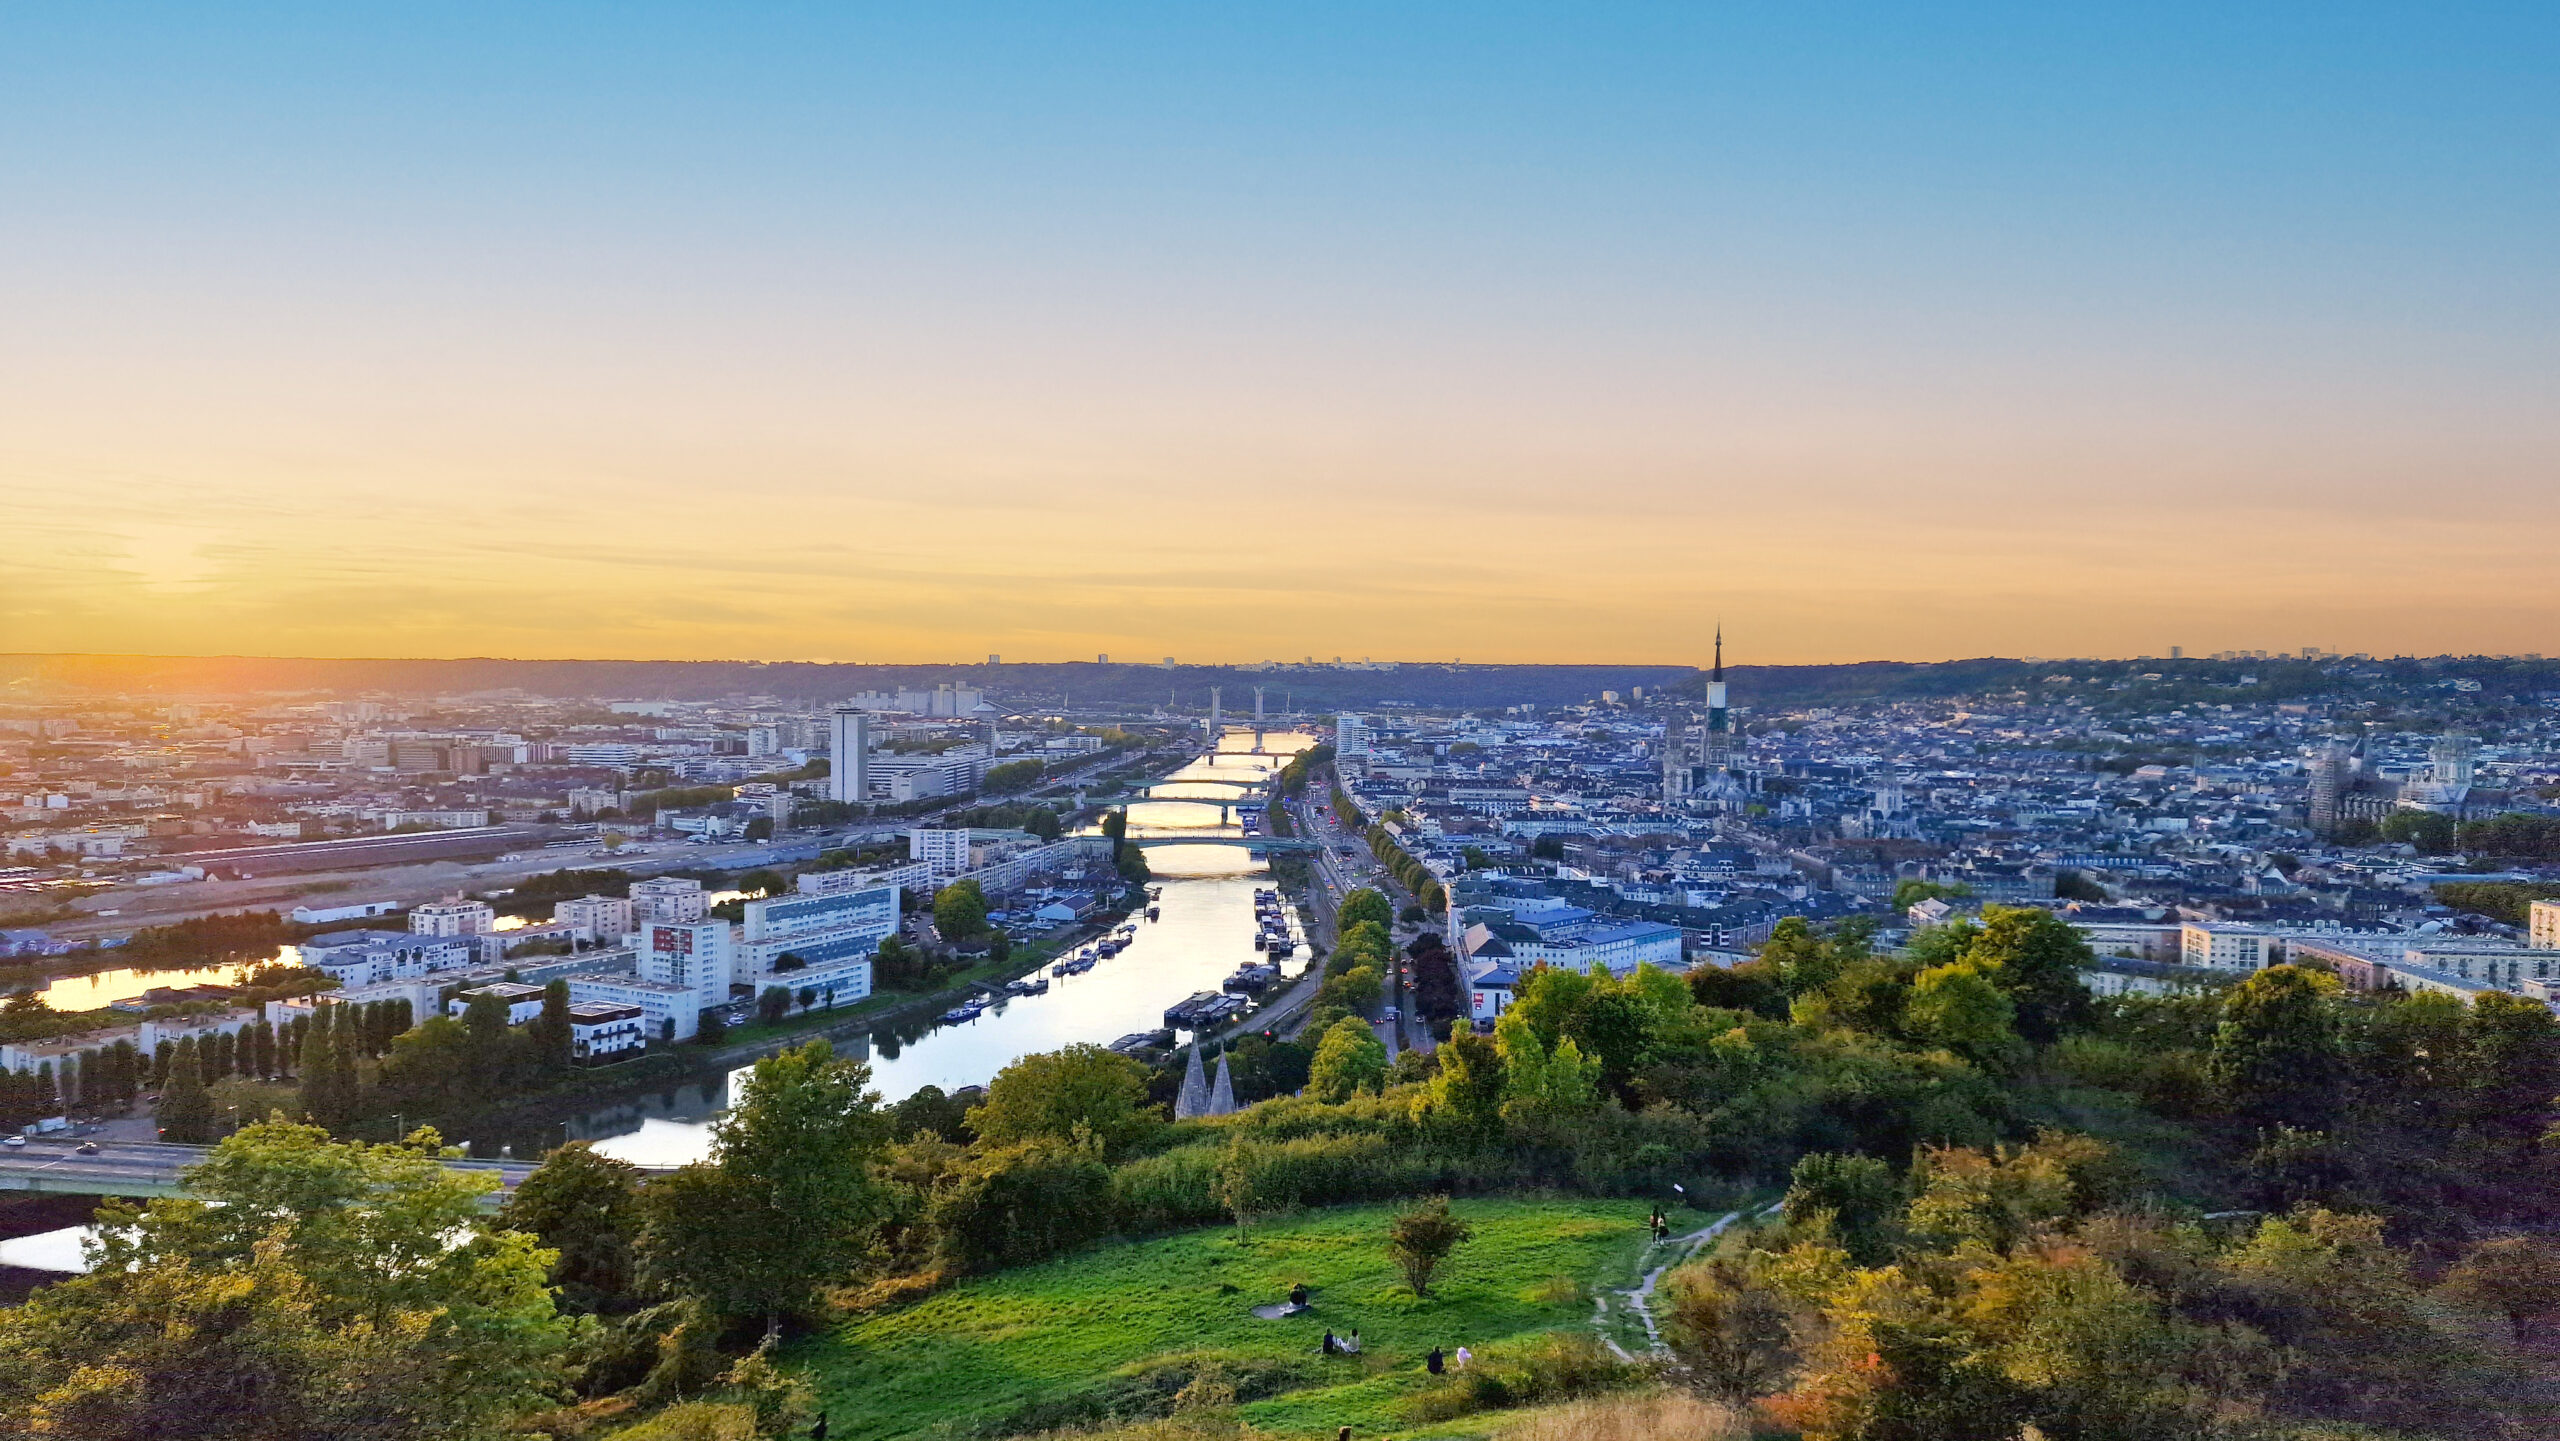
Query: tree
[[1421, 1237], [301, 1288], [585, 1208], [553, 1039], [773, 1003], [1468, 1090], [2276, 1054], [711, 1027], [1730, 1330], [760, 828], [1012, 776], [2509, 1069], [1364, 904], [1954, 1007], [1236, 1185], [186, 1108], [959, 911], [1350, 1059], [1066, 1095], [1858, 1192], [2035, 958], [786, 1202], [2430, 832]]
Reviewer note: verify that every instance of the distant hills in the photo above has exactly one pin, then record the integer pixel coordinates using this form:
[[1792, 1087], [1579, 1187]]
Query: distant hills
[[1425, 685]]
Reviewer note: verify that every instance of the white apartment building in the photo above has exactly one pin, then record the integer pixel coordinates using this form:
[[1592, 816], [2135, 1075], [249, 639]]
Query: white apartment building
[[667, 1012], [523, 1002], [599, 1029], [696, 956], [2229, 947], [2542, 926], [944, 853], [823, 974], [670, 899], [853, 922], [373, 958], [453, 916], [848, 755], [911, 876], [600, 918]]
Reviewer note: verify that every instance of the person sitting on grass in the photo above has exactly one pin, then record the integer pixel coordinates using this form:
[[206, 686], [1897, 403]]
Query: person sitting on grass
[[1351, 1347], [1298, 1294], [1434, 1362], [1332, 1347]]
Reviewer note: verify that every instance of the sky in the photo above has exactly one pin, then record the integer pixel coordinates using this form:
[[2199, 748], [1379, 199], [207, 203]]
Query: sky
[[1238, 332]]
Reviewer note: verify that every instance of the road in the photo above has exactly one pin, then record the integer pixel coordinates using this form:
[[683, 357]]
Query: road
[[148, 1168], [1336, 876]]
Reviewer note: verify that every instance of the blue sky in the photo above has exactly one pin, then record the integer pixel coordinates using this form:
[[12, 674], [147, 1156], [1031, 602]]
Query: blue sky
[[1890, 330]]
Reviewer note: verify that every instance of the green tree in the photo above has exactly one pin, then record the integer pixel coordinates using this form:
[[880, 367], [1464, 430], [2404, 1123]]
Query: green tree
[[773, 1003], [760, 828], [959, 911], [1420, 1239], [1349, 1060], [553, 1039], [2276, 1055], [585, 1208], [1012, 776], [1859, 1194], [788, 1199], [1469, 1087], [302, 1288], [2514, 1277], [1365, 904], [186, 1107], [1066, 1095], [1954, 1007], [2509, 1072], [2430, 832], [1237, 1185], [2035, 958]]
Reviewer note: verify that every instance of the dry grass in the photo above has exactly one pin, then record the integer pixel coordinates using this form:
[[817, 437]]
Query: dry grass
[[1662, 1416]]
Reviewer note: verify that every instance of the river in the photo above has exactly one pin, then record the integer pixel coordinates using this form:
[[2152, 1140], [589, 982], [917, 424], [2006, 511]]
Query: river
[[1205, 931]]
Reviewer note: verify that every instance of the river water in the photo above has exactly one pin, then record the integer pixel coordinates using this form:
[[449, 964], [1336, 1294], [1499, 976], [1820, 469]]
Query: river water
[[1205, 931]]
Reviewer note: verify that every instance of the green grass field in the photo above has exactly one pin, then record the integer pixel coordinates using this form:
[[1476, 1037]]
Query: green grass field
[[1031, 1345]]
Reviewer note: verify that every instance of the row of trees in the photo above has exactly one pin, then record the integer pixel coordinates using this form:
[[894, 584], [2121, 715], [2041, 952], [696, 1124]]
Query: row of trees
[[1411, 874]]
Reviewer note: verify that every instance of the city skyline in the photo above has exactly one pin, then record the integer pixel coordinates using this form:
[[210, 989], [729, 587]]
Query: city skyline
[[1517, 337]]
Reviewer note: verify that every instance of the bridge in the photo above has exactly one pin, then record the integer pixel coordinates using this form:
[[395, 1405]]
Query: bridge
[[152, 1169], [1259, 845]]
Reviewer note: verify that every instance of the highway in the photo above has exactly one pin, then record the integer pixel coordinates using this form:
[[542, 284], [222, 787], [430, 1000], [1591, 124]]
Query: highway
[[147, 1168]]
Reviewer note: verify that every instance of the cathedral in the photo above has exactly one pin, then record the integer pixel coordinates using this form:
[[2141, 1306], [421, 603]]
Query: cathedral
[[1704, 766]]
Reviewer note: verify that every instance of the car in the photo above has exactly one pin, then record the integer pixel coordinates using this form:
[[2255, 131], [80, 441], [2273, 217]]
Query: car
[[19, 1141], [87, 1148]]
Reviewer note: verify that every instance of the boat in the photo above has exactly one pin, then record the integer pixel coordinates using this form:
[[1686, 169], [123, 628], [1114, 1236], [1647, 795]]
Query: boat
[[1028, 986], [1252, 980], [1154, 913], [969, 1012]]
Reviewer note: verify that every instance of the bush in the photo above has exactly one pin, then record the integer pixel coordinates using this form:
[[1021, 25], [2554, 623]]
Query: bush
[[1022, 1204], [1556, 1366]]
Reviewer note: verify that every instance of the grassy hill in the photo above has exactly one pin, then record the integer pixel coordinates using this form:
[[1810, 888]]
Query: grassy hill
[[1121, 1328]]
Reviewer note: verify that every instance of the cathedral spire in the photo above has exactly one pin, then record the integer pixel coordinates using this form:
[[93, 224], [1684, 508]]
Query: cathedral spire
[[1718, 672]]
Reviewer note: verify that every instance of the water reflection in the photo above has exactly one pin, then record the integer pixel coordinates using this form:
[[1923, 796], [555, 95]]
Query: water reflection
[[1204, 933]]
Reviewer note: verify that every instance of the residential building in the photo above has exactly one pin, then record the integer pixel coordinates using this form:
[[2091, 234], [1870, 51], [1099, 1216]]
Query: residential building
[[2229, 947], [599, 1030], [696, 955], [849, 756], [668, 1012], [453, 916], [782, 925], [600, 918], [945, 853], [2542, 929], [371, 958], [671, 899], [523, 1002]]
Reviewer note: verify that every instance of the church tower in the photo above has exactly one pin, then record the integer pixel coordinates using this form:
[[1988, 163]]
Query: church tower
[[1723, 751]]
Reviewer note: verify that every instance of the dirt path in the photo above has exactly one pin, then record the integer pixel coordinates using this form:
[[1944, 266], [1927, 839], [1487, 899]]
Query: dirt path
[[1640, 1299]]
